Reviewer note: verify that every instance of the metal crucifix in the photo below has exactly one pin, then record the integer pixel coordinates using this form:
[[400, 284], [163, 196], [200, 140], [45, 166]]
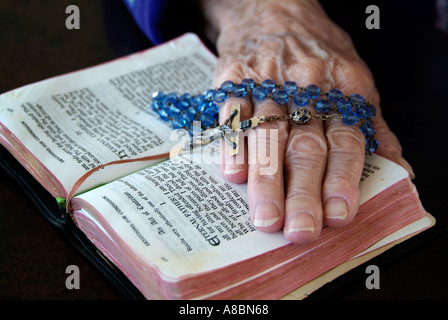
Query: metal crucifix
[[229, 131]]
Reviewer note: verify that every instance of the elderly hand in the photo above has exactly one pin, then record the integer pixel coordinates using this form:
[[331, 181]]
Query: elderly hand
[[318, 165]]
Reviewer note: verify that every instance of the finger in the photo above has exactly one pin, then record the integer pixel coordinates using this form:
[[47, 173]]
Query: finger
[[230, 70], [266, 148], [346, 151], [305, 162], [340, 192], [234, 167]]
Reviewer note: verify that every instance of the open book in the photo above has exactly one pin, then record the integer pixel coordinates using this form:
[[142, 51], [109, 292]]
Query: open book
[[175, 227]]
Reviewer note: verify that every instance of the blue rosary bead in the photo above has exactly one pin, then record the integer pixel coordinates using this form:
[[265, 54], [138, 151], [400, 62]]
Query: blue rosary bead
[[158, 95], [190, 114], [349, 118], [334, 95], [208, 95], [184, 102], [173, 110], [185, 96], [196, 100], [312, 91], [239, 90], [156, 105], [178, 122], [301, 99], [290, 87], [367, 129], [220, 96], [212, 109], [227, 86], [371, 145], [169, 99], [259, 93], [357, 99], [322, 106], [248, 83], [344, 106], [269, 85], [207, 120], [280, 97], [202, 106], [163, 115], [363, 112]]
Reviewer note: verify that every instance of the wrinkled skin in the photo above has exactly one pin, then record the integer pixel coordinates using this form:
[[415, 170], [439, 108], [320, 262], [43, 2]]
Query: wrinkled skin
[[318, 166]]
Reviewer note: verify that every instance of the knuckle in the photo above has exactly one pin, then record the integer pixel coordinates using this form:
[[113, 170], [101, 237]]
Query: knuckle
[[360, 76], [301, 195], [343, 139], [256, 178], [276, 133], [310, 67], [282, 133], [307, 143], [229, 69], [269, 67], [341, 182], [282, 127]]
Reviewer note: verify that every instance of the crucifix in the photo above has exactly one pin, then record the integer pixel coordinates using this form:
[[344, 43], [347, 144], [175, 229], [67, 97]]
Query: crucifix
[[228, 131], [233, 126]]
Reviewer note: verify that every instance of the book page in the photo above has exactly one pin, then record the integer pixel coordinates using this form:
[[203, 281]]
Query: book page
[[182, 212], [378, 174], [75, 122]]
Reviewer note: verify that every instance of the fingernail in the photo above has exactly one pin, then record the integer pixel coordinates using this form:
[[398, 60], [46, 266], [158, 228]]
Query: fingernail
[[231, 169], [402, 162], [335, 208], [300, 222], [266, 214]]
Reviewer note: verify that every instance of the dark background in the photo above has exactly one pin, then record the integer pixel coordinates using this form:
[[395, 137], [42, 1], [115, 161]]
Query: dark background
[[409, 59]]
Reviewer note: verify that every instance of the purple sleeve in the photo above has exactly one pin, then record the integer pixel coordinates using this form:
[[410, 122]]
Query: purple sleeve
[[162, 20]]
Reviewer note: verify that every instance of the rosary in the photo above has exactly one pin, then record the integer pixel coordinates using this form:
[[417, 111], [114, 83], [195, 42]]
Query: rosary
[[181, 111]]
